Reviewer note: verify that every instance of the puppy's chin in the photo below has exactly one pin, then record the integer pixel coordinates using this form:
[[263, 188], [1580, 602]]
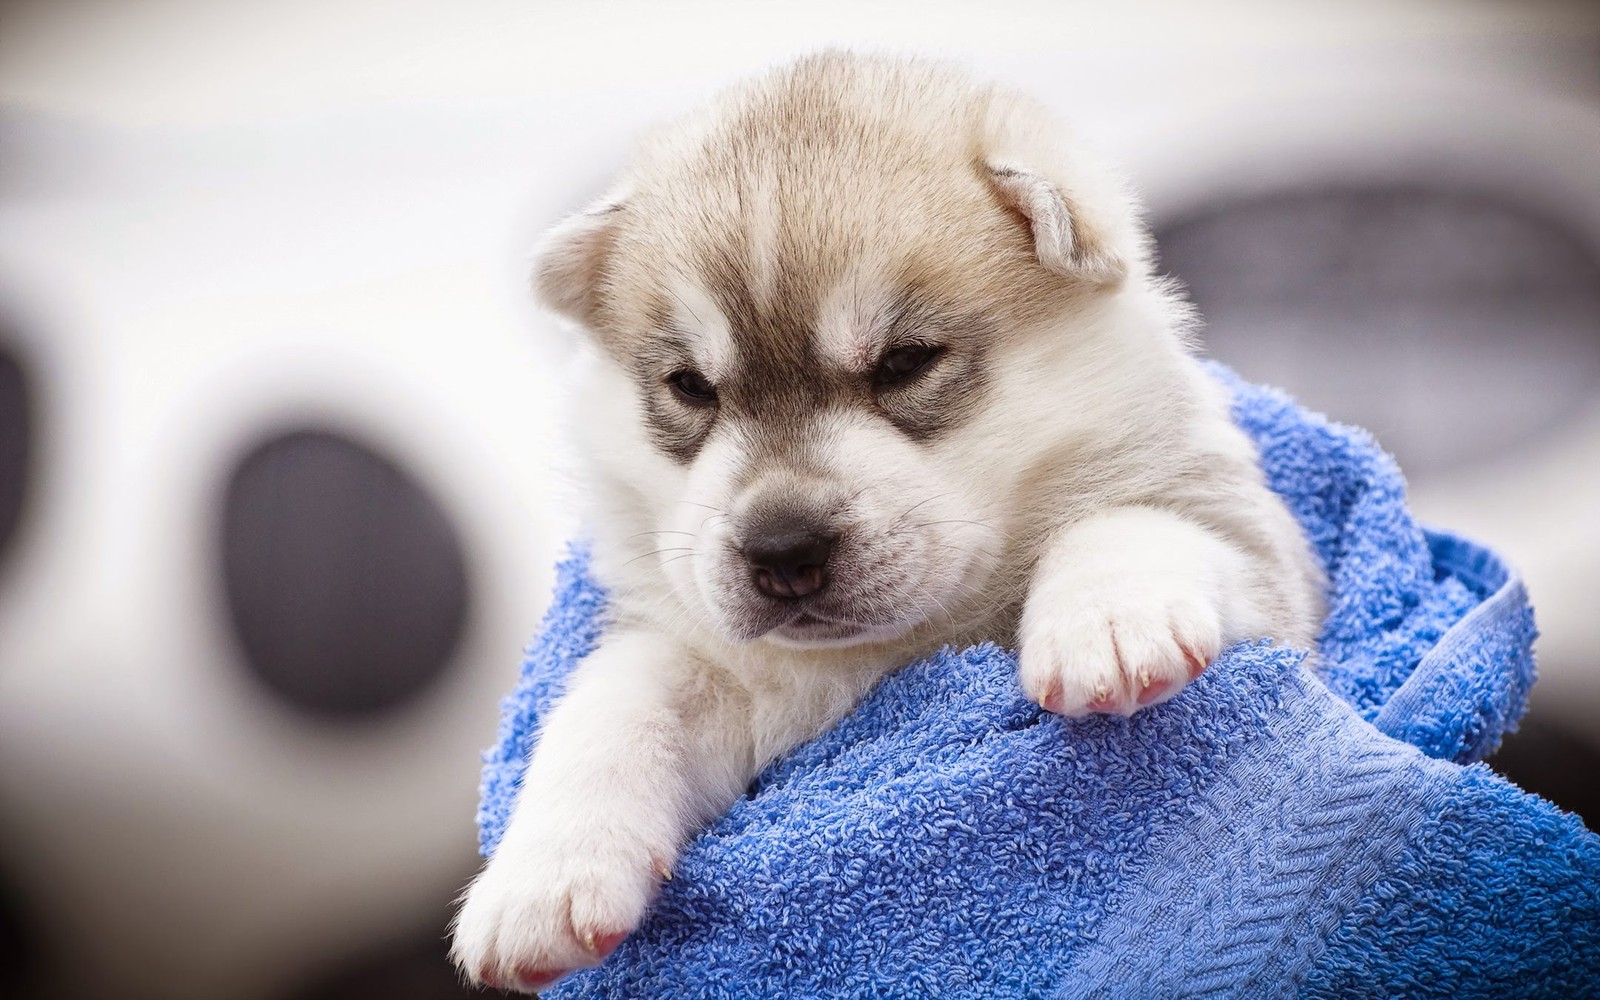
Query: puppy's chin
[[809, 631], [802, 628]]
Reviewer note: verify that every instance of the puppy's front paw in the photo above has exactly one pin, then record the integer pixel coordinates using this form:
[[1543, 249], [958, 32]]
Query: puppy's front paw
[[545, 907], [1112, 641]]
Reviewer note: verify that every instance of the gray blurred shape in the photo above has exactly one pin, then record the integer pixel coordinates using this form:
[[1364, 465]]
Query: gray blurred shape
[[345, 580], [1454, 326], [16, 433]]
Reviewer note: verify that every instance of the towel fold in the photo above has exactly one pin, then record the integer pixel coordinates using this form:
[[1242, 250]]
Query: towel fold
[[1287, 825]]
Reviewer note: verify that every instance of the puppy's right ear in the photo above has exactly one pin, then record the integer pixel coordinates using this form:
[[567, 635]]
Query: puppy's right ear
[[570, 261], [1083, 221], [1063, 239]]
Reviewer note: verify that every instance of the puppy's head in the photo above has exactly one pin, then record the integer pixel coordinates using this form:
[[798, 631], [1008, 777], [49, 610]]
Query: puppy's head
[[815, 307]]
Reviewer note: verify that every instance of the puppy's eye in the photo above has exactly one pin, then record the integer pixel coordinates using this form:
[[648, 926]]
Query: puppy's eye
[[692, 387], [902, 363]]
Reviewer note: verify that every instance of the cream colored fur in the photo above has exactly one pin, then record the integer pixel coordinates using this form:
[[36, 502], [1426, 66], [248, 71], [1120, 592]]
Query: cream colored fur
[[1061, 476]]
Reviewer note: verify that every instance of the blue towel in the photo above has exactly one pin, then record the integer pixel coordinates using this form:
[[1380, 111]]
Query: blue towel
[[1288, 825]]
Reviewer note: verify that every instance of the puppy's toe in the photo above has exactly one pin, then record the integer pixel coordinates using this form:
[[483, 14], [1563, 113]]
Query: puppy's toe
[[1117, 657], [540, 912]]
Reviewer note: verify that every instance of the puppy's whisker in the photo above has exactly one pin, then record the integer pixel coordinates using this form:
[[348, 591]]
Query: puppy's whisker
[[696, 503], [709, 519], [914, 507], [657, 552], [952, 520]]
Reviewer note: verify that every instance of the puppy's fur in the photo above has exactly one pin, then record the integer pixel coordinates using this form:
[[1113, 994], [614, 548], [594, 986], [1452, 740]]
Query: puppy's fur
[[897, 328]]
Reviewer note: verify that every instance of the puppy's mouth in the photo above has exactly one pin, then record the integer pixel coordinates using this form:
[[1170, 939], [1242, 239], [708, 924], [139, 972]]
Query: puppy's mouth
[[809, 628]]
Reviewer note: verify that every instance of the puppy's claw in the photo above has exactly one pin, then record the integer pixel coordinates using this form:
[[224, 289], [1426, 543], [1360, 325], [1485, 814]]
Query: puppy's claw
[[1102, 701], [1050, 699]]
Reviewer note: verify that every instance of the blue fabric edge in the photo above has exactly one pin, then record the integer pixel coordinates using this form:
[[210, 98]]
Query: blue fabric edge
[[1448, 665]]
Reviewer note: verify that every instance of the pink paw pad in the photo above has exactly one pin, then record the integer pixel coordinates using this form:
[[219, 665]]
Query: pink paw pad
[[1104, 704], [532, 979], [601, 945], [1051, 702], [1152, 690]]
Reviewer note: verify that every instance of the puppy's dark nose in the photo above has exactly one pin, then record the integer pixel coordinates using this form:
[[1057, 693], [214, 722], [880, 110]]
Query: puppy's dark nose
[[789, 563]]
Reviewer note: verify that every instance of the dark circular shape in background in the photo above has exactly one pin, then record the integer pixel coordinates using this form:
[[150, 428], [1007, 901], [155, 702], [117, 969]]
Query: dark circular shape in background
[[16, 438], [1456, 326], [345, 580]]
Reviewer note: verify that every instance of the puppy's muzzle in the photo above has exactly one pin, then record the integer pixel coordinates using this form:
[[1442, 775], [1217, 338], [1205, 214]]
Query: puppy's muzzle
[[789, 561]]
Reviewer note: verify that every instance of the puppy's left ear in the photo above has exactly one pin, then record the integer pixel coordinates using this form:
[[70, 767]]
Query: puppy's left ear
[[1064, 239]]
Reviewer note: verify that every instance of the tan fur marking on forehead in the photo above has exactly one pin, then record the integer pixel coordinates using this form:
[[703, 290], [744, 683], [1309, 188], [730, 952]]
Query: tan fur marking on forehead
[[852, 318], [760, 210]]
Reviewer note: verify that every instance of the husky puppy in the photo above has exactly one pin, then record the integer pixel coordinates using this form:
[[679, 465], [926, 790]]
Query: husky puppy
[[878, 363]]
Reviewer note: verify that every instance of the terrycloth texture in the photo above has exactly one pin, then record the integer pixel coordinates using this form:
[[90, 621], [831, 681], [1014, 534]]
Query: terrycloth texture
[[1269, 832]]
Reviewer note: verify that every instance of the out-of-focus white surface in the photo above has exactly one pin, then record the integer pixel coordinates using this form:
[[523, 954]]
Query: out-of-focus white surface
[[212, 212]]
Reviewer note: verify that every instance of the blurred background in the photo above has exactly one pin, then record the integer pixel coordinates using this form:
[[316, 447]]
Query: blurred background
[[277, 509]]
